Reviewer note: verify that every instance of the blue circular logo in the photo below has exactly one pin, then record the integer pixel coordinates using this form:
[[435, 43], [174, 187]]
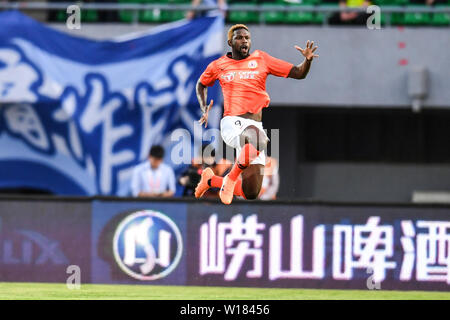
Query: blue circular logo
[[147, 245]]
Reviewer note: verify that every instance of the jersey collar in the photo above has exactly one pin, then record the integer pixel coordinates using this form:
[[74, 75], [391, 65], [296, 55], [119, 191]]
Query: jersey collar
[[229, 55]]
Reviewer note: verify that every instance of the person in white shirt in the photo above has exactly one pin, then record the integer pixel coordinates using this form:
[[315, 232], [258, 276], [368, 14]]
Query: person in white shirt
[[153, 178]]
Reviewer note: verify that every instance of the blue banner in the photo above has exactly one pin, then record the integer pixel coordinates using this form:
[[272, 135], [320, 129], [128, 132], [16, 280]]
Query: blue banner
[[76, 115]]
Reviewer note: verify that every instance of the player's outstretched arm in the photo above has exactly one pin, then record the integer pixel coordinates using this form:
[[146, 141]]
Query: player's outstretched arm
[[202, 93], [300, 71]]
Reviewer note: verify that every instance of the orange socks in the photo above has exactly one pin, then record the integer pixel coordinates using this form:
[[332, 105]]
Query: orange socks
[[247, 155], [216, 182]]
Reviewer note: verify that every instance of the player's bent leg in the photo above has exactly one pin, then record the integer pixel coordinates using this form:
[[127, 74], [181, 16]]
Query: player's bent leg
[[246, 156], [253, 141], [252, 178], [217, 182], [209, 180], [255, 137]]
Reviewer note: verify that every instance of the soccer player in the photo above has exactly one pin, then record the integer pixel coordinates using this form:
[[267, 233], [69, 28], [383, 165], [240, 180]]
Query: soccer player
[[242, 77]]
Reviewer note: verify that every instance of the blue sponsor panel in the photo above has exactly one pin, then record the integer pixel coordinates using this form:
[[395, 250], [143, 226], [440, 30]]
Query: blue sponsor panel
[[139, 242], [41, 241], [88, 111], [319, 246]]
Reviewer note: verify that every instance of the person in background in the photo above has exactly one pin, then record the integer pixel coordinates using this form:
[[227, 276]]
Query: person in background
[[191, 177], [39, 15], [428, 2], [351, 17], [195, 14], [153, 178], [271, 180], [107, 15]]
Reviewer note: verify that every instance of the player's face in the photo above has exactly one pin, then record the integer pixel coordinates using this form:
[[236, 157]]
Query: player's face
[[241, 42]]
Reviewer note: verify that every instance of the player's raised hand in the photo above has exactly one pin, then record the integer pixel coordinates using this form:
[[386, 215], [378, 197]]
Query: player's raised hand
[[204, 118], [308, 52]]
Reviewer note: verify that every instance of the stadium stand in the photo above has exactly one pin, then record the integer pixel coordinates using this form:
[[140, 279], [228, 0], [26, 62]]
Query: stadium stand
[[291, 12], [155, 15]]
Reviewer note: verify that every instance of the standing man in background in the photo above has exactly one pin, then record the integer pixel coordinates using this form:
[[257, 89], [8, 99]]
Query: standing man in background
[[153, 178], [222, 4], [351, 17]]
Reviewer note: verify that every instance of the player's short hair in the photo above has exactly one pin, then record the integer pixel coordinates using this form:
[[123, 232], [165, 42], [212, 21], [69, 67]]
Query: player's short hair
[[156, 152], [235, 27]]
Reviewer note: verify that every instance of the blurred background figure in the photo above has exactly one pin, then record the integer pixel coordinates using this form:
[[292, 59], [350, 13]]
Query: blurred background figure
[[106, 15], [191, 176], [153, 178], [349, 17], [193, 14], [428, 2], [87, 15], [40, 15], [271, 180]]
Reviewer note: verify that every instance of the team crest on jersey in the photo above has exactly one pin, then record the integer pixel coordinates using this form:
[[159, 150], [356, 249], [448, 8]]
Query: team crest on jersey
[[252, 64], [229, 76]]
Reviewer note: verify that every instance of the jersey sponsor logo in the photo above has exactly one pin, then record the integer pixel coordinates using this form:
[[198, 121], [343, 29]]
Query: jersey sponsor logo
[[248, 74], [228, 77], [243, 75], [147, 245], [252, 64]]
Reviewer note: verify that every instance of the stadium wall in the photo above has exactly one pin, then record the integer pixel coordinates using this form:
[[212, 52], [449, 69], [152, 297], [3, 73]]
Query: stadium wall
[[352, 61], [249, 244], [347, 181], [370, 182]]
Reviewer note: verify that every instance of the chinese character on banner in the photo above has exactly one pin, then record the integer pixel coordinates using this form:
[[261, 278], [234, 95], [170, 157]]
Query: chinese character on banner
[[296, 254], [409, 251], [363, 247], [431, 254], [236, 239]]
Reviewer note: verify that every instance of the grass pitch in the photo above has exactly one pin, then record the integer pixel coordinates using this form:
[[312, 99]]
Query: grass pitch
[[47, 291]]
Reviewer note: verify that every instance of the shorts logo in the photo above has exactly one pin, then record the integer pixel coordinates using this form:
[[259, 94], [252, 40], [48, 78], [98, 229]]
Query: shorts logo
[[252, 64], [229, 76], [147, 245], [238, 123]]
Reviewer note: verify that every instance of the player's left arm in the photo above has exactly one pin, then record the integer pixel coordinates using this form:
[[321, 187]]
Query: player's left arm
[[300, 71]]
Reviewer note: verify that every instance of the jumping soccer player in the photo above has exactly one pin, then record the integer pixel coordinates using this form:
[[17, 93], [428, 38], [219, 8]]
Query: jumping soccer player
[[242, 77]]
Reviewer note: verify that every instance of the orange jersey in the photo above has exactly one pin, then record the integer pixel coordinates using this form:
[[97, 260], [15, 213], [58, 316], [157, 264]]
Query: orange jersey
[[243, 81]]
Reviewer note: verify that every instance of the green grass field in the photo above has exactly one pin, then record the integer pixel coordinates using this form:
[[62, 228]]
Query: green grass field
[[38, 291]]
